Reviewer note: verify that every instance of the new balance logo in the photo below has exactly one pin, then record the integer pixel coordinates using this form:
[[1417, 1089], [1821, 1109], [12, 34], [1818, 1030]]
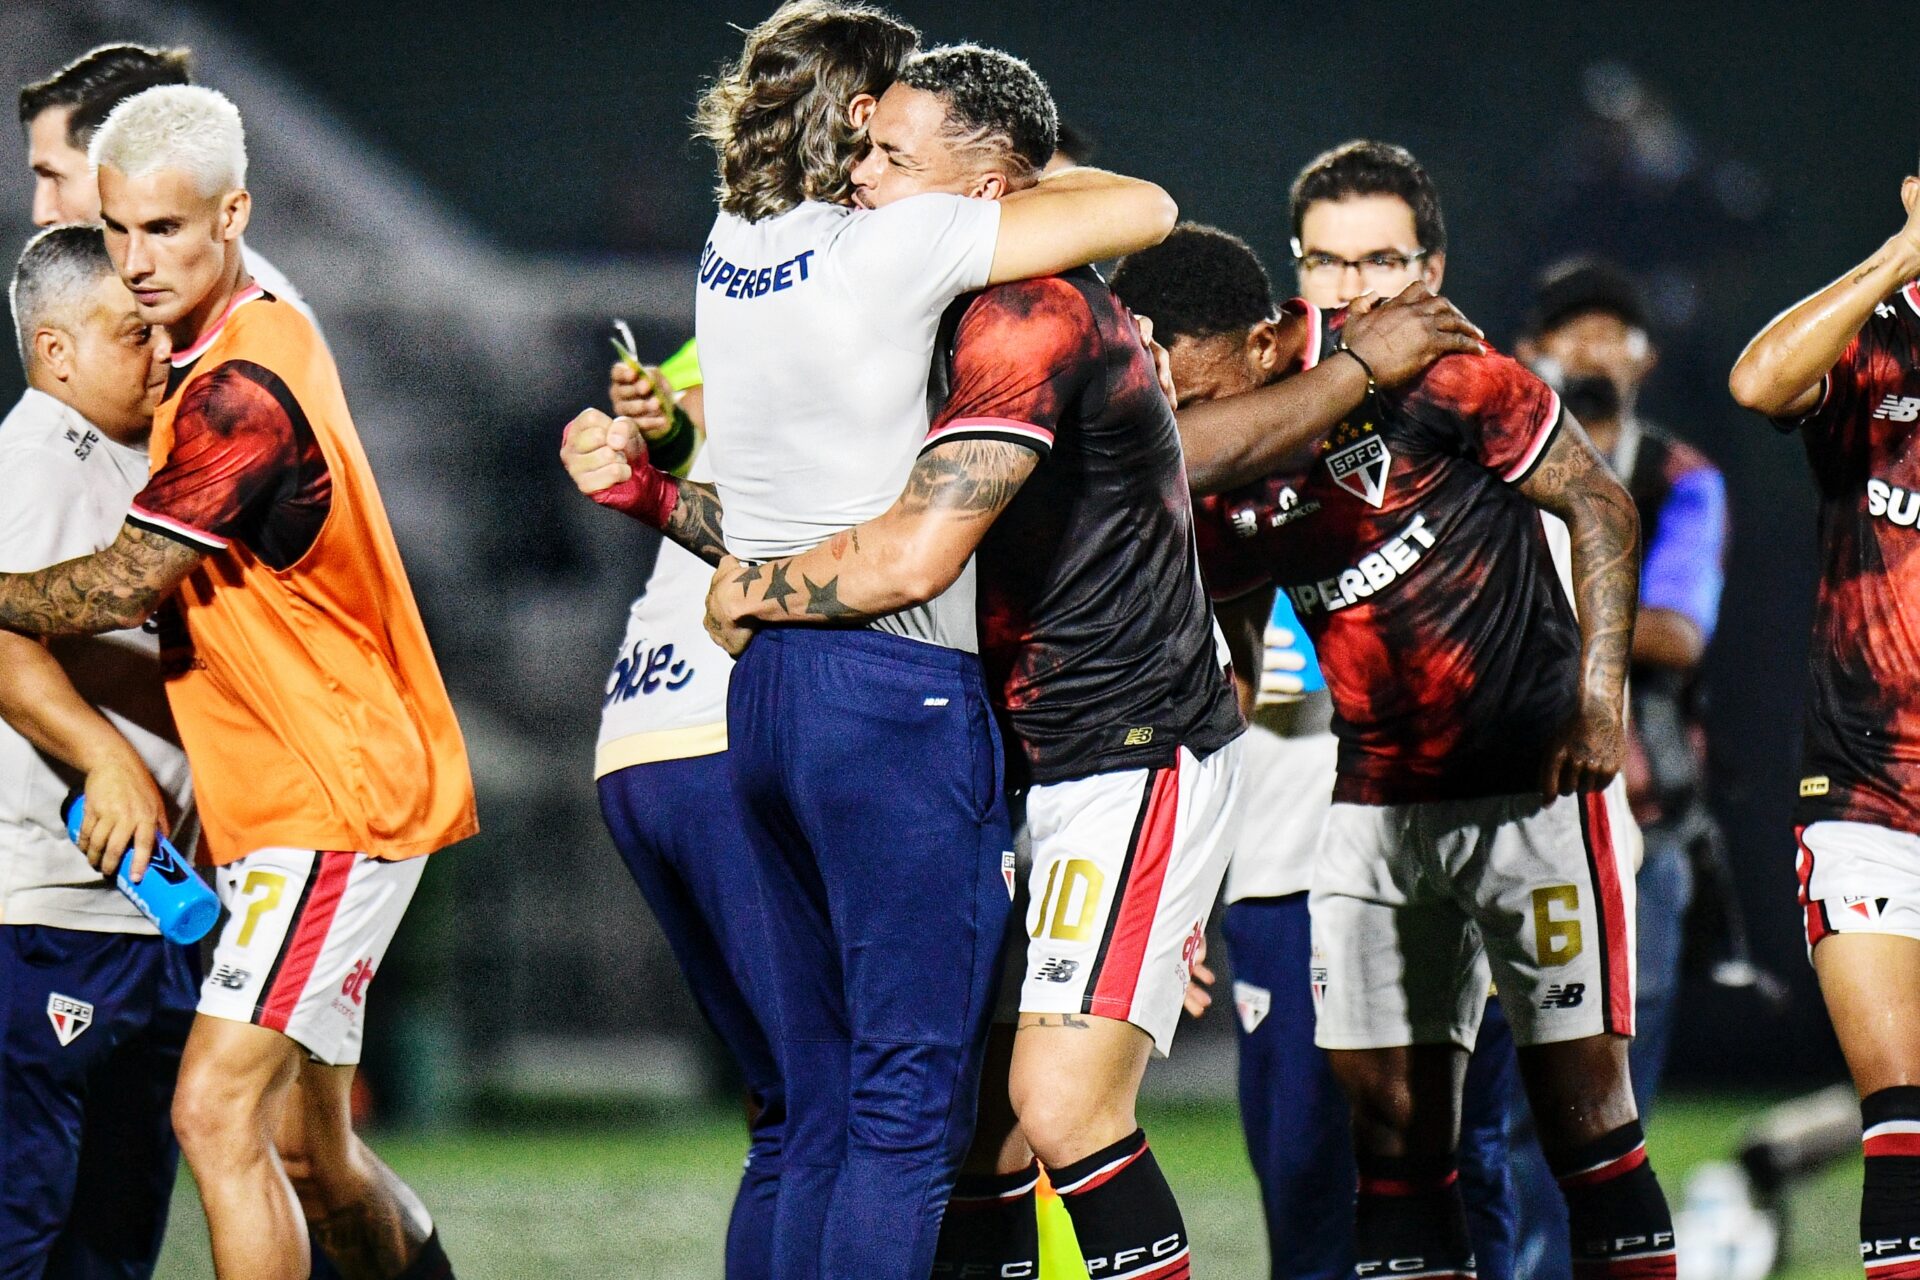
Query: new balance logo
[[229, 977], [1899, 409], [1568, 996], [1058, 971]]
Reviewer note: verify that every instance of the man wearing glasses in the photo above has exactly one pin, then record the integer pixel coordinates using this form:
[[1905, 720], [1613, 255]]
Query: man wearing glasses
[[1365, 219]]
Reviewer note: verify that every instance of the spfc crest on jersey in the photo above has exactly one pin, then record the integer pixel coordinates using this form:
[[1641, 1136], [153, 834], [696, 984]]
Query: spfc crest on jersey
[[1361, 469], [69, 1017]]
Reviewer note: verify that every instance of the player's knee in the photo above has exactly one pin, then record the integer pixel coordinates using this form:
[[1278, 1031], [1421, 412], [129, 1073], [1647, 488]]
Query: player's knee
[[1065, 1125], [214, 1123], [1378, 1091]]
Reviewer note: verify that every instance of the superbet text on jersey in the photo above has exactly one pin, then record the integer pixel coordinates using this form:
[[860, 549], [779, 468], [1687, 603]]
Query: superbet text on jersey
[[1862, 750], [1423, 576]]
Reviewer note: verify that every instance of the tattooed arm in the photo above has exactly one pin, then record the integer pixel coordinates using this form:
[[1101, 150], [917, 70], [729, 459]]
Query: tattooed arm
[[904, 557], [109, 590], [1572, 482], [607, 460], [1781, 371]]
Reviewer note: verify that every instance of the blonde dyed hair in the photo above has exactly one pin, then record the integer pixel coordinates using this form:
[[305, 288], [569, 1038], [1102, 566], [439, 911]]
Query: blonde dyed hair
[[176, 126], [777, 117]]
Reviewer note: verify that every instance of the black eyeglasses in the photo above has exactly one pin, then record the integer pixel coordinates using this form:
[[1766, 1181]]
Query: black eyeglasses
[[1374, 266]]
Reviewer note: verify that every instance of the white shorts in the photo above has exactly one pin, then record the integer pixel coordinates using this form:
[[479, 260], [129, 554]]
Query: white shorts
[[1415, 906], [1124, 870], [1285, 792], [304, 933], [1856, 877]]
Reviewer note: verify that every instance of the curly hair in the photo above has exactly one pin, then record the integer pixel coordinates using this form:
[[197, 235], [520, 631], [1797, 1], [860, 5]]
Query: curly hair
[[777, 118], [993, 101], [1197, 283]]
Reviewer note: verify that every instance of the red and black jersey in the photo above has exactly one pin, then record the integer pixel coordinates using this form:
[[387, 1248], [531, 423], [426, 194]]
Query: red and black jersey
[[1097, 638], [245, 467], [1423, 577], [1862, 746]]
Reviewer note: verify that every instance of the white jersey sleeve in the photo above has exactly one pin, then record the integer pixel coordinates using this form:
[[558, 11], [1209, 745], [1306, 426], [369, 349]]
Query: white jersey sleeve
[[46, 509], [913, 257]]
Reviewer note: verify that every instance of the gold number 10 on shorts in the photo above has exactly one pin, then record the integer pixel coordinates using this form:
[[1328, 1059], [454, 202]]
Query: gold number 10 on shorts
[[1059, 900], [1556, 939], [275, 884]]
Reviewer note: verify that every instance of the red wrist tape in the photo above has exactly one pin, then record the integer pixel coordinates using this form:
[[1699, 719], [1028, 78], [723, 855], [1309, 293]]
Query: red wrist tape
[[649, 495]]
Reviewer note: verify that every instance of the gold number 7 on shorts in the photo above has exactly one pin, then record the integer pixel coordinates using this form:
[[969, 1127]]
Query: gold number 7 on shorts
[[275, 884], [1556, 939]]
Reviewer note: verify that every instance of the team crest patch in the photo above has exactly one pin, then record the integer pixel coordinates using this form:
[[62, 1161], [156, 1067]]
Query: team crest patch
[[1252, 1004], [1008, 865], [1361, 469], [69, 1017]]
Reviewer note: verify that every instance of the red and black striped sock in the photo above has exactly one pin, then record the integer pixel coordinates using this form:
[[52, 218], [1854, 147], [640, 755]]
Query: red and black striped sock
[[1410, 1220], [1890, 1197], [1616, 1213], [1124, 1213], [991, 1231]]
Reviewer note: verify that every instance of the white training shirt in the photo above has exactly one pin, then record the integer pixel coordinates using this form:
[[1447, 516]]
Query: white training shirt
[[666, 698], [816, 333], [64, 492]]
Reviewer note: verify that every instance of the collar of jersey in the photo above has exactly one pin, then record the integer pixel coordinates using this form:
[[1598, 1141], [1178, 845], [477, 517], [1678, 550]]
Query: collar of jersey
[[181, 359]]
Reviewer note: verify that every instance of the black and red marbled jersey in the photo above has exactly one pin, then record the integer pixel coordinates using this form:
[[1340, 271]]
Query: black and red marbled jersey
[[245, 467], [1096, 634], [1423, 577], [1862, 746]]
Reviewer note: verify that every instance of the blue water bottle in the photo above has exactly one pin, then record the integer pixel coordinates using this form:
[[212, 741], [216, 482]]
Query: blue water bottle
[[171, 895]]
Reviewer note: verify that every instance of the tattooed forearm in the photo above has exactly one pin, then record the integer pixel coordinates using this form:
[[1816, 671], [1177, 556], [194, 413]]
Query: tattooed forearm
[[107, 591], [695, 522], [1573, 483], [900, 559]]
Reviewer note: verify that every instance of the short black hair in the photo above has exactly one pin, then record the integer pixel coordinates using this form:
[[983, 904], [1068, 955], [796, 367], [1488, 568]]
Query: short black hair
[[1576, 286], [1366, 168], [992, 98], [1075, 143], [1197, 283], [101, 79]]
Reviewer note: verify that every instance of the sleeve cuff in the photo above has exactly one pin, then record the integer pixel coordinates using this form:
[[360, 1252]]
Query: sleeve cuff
[[1007, 430], [178, 530], [1549, 428]]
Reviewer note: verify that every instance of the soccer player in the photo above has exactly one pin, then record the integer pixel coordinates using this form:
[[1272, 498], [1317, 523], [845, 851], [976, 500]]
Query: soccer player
[[96, 1004], [867, 757], [1588, 336], [1055, 454], [1842, 368], [60, 115], [1366, 219], [667, 795], [325, 753], [1479, 718]]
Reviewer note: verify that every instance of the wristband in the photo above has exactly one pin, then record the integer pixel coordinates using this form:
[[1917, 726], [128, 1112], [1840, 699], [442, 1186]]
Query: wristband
[[672, 451], [649, 495], [1344, 350]]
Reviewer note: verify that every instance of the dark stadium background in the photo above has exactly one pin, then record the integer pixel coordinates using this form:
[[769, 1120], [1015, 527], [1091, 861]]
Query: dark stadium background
[[468, 192]]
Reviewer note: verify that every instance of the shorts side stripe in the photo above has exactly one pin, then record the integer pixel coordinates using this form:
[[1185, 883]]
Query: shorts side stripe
[[1818, 926], [313, 917], [1116, 970], [1616, 980]]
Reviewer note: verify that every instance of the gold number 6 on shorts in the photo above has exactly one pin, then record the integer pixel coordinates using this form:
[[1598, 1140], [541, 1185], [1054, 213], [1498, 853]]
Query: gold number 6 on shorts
[[1556, 939]]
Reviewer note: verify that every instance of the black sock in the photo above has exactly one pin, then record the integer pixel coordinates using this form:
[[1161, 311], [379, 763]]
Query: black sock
[[1410, 1219], [1890, 1198], [1616, 1213], [430, 1263], [1124, 1213], [991, 1231]]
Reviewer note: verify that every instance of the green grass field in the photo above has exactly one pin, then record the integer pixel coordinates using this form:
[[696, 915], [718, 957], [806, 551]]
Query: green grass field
[[651, 1201]]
